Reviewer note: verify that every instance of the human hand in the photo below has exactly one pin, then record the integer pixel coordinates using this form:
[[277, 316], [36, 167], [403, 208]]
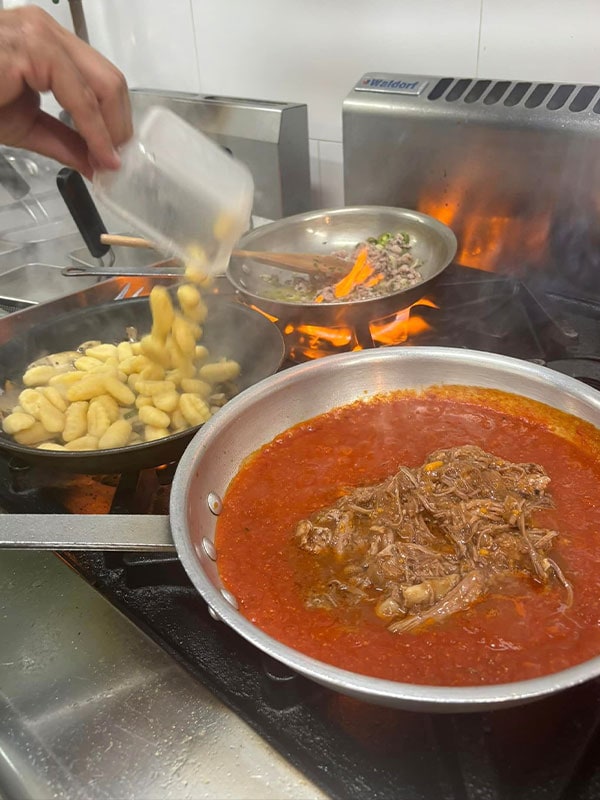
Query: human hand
[[38, 55]]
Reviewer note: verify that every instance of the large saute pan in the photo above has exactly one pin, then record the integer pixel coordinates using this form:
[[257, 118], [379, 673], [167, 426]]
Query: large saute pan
[[254, 418], [335, 229], [231, 331]]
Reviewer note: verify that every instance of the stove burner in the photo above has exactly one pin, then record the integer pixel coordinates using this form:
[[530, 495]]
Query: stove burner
[[140, 492], [503, 315], [465, 308]]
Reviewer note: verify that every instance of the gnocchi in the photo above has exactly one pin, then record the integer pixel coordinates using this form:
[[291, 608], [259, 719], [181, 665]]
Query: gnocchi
[[108, 395], [76, 422]]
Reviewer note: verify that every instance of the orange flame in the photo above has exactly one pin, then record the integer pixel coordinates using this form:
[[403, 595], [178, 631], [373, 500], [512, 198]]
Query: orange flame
[[306, 341], [492, 237], [264, 313], [338, 337], [400, 326]]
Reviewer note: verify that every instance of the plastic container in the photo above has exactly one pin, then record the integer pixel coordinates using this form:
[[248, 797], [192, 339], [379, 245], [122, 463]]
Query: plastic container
[[182, 191]]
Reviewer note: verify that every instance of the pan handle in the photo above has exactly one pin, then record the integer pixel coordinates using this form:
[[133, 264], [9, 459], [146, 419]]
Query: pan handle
[[85, 532], [143, 272], [83, 210], [77, 272]]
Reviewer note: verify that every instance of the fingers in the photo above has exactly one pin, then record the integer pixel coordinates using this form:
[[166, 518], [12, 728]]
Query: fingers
[[75, 96], [49, 137], [109, 86], [23, 124], [85, 84]]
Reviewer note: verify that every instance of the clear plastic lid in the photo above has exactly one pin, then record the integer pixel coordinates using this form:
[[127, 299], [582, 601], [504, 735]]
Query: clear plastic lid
[[180, 190]]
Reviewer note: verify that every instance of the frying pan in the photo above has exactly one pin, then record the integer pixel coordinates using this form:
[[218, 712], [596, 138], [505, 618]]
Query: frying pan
[[334, 229], [255, 417], [231, 331], [325, 231]]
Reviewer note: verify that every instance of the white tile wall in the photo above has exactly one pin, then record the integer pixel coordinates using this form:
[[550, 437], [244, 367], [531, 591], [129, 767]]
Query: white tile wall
[[151, 41], [313, 51], [547, 40]]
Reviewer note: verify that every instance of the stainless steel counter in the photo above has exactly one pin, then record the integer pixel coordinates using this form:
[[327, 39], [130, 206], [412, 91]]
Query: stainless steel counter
[[92, 708]]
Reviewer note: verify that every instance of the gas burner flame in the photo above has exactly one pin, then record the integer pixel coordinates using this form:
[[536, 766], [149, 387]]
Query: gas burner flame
[[493, 236], [401, 326], [318, 334], [307, 341]]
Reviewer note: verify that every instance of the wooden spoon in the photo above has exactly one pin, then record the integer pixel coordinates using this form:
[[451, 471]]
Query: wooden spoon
[[308, 263]]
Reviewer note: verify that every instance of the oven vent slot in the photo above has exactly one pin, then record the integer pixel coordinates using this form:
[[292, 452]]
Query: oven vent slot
[[583, 98], [496, 93], [457, 91], [538, 95], [517, 93], [439, 89], [530, 95], [560, 96], [476, 91]]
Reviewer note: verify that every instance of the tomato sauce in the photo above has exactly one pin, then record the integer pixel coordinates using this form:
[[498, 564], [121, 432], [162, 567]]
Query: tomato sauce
[[522, 633]]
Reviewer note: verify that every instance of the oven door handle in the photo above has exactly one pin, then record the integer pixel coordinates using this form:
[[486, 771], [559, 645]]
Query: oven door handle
[[86, 532]]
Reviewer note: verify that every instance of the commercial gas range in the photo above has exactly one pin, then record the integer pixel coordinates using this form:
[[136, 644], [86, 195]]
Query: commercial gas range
[[131, 689]]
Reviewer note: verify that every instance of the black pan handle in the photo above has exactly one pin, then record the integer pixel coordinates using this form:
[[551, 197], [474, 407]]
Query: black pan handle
[[83, 210]]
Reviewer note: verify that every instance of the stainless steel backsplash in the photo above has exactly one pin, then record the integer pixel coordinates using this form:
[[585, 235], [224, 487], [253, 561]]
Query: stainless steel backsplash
[[511, 166], [270, 137]]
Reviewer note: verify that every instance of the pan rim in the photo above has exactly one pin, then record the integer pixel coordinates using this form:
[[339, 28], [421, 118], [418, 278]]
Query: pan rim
[[445, 232], [392, 693]]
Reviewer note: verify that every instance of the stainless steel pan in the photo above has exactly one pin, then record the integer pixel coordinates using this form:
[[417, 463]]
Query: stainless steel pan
[[335, 229], [254, 418], [231, 331]]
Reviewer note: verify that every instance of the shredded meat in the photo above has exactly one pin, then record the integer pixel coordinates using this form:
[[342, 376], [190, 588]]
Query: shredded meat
[[431, 541]]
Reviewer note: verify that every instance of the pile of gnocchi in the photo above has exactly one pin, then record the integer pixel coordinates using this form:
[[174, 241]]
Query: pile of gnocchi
[[103, 395]]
